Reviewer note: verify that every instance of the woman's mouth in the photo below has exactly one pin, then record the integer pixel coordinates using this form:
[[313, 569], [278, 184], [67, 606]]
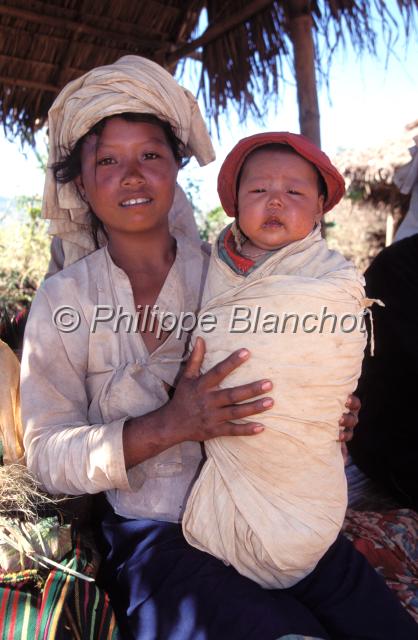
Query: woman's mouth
[[133, 202]]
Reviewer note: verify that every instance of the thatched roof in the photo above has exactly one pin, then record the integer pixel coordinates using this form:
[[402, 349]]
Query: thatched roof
[[369, 172], [46, 43]]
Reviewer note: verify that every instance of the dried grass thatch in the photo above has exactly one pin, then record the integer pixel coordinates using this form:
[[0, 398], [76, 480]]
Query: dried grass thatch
[[369, 172], [28, 539], [359, 223], [45, 44], [21, 495]]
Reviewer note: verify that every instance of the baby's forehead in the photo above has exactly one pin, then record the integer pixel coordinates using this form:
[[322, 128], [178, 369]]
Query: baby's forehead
[[272, 156]]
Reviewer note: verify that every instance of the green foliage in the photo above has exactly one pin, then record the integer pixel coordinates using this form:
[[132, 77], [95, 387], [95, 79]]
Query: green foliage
[[209, 224], [356, 193], [24, 253], [191, 187], [212, 223]]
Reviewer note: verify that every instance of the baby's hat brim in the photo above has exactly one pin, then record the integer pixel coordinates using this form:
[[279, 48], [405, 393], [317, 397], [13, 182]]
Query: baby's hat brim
[[228, 175]]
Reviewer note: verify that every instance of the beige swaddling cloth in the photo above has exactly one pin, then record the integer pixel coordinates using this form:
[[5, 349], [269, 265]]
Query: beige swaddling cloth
[[272, 504]]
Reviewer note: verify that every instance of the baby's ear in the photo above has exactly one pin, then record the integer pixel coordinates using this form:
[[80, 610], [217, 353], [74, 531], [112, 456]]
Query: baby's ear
[[321, 200]]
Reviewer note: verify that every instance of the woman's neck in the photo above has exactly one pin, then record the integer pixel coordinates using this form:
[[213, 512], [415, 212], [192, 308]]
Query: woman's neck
[[138, 253]]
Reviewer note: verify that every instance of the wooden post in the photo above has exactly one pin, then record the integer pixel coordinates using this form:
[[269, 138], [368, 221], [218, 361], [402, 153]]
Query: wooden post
[[300, 33]]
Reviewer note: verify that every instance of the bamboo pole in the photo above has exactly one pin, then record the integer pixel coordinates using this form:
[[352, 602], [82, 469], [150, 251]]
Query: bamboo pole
[[300, 33]]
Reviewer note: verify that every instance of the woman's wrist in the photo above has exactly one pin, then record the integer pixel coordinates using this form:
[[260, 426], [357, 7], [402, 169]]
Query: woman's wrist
[[146, 436]]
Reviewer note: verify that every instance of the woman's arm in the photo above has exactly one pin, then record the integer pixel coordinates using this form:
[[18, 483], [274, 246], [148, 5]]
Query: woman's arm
[[69, 455], [64, 451]]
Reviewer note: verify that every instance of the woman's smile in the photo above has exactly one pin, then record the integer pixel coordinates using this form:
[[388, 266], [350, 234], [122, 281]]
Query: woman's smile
[[133, 202]]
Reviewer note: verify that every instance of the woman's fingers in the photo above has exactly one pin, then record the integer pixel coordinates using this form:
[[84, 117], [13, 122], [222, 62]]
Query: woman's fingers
[[214, 376], [240, 411], [192, 369], [233, 395], [202, 411], [234, 429], [349, 420], [347, 423], [353, 403]]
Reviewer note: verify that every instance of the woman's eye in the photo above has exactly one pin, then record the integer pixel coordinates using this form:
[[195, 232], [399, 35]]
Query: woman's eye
[[151, 155], [103, 162]]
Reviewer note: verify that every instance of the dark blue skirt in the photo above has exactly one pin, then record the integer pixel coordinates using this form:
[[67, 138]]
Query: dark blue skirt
[[163, 589]]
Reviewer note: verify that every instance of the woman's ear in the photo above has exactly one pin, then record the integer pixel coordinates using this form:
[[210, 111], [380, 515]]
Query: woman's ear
[[80, 188]]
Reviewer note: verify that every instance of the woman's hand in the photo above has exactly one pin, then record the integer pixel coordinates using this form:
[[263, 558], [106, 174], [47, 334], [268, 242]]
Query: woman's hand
[[200, 410], [348, 423], [349, 420]]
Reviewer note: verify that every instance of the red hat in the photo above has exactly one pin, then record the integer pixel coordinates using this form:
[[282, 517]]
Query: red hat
[[228, 175]]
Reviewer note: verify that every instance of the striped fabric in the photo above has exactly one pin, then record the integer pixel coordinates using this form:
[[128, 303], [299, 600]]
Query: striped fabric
[[58, 606]]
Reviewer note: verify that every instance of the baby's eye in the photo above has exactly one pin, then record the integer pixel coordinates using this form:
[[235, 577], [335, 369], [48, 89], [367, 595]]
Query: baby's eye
[[103, 162], [294, 192], [258, 190]]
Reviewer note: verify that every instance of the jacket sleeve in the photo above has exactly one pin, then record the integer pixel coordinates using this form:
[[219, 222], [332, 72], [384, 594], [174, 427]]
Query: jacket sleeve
[[64, 451]]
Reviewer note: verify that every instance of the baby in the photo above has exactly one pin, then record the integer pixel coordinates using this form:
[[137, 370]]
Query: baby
[[273, 505]]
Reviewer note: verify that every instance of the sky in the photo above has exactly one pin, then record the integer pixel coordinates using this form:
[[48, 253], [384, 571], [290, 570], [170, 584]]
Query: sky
[[368, 100]]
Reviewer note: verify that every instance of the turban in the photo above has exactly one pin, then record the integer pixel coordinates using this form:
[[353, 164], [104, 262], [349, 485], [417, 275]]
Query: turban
[[228, 175], [131, 84]]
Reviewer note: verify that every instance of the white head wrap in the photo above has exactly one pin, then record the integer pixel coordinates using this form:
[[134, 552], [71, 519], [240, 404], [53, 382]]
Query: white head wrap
[[406, 178], [131, 84]]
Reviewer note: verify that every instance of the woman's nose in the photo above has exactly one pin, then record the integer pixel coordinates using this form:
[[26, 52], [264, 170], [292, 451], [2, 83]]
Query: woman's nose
[[133, 174]]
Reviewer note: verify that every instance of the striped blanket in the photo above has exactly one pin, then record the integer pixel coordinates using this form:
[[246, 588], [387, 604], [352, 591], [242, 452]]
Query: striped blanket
[[38, 607]]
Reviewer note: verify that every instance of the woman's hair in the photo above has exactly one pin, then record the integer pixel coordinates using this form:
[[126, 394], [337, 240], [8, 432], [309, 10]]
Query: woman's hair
[[69, 167], [277, 146]]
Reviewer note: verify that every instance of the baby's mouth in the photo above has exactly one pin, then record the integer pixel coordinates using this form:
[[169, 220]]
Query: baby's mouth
[[272, 223]]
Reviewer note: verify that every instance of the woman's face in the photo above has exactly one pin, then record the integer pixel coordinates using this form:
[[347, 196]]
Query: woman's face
[[128, 176]]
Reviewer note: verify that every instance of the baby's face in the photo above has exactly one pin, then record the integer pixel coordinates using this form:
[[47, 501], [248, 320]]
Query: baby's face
[[278, 198]]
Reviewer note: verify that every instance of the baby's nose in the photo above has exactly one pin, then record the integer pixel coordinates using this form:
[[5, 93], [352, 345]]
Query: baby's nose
[[275, 199]]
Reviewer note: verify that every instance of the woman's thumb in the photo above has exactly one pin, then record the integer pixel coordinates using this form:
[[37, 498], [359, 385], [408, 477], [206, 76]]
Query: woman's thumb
[[195, 360]]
